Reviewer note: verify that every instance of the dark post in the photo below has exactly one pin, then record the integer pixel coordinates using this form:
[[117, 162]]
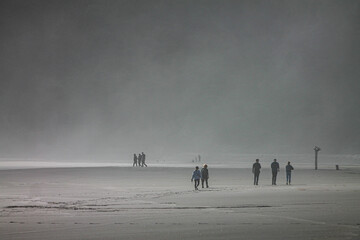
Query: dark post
[[317, 149]]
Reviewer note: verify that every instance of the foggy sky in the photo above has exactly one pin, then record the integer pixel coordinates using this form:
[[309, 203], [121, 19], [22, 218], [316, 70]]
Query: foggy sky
[[102, 79]]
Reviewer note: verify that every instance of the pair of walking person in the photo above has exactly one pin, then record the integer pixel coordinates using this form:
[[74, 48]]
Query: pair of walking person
[[139, 160], [275, 168], [202, 175]]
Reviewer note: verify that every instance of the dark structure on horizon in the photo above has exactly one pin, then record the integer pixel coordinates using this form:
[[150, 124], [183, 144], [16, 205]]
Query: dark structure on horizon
[[317, 149]]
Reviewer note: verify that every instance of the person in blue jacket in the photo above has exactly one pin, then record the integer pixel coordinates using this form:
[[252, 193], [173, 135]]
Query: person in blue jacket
[[196, 176], [288, 169]]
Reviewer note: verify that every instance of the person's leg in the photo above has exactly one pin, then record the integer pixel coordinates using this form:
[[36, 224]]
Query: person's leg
[[254, 178], [272, 180], [289, 178], [207, 184], [202, 182], [275, 176]]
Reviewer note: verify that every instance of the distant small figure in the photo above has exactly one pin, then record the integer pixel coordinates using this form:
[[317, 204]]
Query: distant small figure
[[196, 176], [135, 160], [275, 168], [288, 169], [256, 171], [139, 159], [204, 176], [143, 159]]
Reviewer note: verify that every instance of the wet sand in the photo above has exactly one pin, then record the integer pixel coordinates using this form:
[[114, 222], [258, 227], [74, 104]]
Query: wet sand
[[160, 203]]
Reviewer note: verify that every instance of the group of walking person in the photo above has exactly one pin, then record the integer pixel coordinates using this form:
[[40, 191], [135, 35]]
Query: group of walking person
[[202, 175], [139, 160], [275, 168]]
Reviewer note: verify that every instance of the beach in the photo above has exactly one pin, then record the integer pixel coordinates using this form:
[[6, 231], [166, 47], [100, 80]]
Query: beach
[[161, 203]]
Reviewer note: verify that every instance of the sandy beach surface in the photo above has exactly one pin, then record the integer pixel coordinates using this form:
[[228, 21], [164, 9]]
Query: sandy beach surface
[[161, 203]]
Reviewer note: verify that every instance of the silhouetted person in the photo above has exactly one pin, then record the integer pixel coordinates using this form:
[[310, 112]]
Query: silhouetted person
[[135, 160], [143, 159], [256, 171], [139, 159], [288, 169], [204, 176], [275, 168], [196, 176]]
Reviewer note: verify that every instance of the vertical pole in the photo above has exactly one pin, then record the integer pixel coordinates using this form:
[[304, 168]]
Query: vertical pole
[[317, 149]]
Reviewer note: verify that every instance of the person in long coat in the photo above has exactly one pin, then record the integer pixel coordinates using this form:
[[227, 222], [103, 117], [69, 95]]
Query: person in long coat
[[256, 171], [205, 176], [143, 159], [135, 160], [140, 159], [275, 168]]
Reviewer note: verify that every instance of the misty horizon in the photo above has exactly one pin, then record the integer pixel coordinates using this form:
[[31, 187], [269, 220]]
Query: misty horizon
[[93, 79]]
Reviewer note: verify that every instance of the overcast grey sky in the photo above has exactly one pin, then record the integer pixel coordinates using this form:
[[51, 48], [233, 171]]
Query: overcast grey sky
[[109, 78]]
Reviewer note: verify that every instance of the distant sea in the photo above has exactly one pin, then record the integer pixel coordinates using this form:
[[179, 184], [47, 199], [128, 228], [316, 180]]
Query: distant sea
[[325, 161]]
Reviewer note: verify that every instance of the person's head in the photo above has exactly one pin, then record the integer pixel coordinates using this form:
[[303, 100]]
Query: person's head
[[205, 165], [142, 152], [275, 160], [288, 163], [196, 167], [257, 160]]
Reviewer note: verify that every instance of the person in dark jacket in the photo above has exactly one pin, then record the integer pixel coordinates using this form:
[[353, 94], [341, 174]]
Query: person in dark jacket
[[204, 176], [256, 171], [288, 169], [196, 176], [135, 160], [139, 159], [143, 159], [275, 168]]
